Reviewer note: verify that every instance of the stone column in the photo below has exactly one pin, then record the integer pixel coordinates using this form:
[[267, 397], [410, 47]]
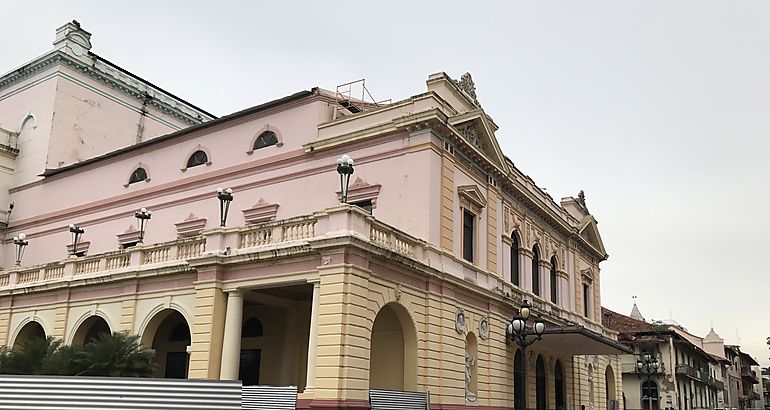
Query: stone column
[[231, 346], [313, 340]]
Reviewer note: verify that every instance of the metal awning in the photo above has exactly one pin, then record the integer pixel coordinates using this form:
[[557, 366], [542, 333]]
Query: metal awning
[[574, 340]]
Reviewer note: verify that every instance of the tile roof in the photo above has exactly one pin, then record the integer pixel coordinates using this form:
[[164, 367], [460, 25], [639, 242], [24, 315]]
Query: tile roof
[[623, 324]]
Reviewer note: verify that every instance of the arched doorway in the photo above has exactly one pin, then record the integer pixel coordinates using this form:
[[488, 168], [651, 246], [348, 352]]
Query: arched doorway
[[29, 331], [558, 383], [518, 381], [540, 399], [609, 385], [650, 395], [393, 353], [169, 335], [90, 330]]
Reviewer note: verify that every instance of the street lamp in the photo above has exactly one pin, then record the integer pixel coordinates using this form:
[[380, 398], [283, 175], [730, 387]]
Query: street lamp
[[76, 233], [648, 367], [345, 169], [21, 242], [518, 332], [142, 216], [225, 196]]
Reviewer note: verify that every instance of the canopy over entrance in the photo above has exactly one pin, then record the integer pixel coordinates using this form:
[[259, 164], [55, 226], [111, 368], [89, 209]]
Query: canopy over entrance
[[575, 340]]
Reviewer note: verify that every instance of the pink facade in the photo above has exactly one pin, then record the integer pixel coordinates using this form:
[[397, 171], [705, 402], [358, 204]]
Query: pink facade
[[447, 209]]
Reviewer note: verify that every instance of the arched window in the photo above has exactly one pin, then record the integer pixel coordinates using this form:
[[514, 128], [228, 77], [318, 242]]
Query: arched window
[[139, 175], [540, 383], [554, 290], [515, 259], [265, 139], [650, 395], [536, 270], [197, 158], [518, 381], [558, 382], [252, 327]]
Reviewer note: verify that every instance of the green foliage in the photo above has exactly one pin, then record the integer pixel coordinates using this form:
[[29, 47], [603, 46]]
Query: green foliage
[[116, 355], [112, 355]]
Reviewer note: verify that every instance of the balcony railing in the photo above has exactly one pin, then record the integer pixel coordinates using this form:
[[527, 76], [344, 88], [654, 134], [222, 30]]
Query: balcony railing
[[702, 376], [102, 264], [232, 241], [749, 374]]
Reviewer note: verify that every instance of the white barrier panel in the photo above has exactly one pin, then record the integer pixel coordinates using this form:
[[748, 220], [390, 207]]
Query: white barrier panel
[[80, 393], [269, 398]]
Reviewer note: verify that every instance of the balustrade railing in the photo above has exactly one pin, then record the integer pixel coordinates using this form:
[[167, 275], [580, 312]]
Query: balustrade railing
[[118, 261], [156, 255], [392, 239], [87, 266], [53, 272]]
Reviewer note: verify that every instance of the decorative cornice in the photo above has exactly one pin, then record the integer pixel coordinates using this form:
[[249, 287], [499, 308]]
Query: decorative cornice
[[129, 237], [191, 226], [361, 190], [260, 212], [82, 247], [113, 78]]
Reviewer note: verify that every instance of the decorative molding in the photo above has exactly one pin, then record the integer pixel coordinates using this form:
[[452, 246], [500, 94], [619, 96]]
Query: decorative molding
[[261, 131], [114, 78], [361, 190], [197, 148], [82, 247], [191, 226], [129, 237], [472, 198], [262, 211], [139, 165]]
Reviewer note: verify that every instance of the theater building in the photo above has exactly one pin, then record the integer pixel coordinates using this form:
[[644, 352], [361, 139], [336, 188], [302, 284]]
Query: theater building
[[408, 286]]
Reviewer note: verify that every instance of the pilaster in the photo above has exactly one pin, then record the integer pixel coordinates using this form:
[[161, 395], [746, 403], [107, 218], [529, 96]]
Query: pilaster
[[344, 326], [447, 202], [60, 322], [207, 331], [492, 204]]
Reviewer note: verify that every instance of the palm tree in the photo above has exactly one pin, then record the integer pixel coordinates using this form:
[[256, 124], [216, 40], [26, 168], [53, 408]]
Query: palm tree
[[115, 355], [65, 361], [28, 359]]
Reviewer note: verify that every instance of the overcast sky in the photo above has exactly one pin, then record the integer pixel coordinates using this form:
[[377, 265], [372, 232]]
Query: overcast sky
[[659, 110]]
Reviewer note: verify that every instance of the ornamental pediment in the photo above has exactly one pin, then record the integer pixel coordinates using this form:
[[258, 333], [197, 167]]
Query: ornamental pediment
[[473, 195], [590, 232], [477, 131]]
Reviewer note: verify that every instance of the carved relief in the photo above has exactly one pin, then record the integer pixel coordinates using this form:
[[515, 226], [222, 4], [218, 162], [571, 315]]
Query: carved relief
[[507, 219], [484, 328], [470, 133], [460, 320], [467, 86]]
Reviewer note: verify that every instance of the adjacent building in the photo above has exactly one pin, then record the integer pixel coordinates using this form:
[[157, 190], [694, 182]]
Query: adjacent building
[[408, 285], [689, 377]]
